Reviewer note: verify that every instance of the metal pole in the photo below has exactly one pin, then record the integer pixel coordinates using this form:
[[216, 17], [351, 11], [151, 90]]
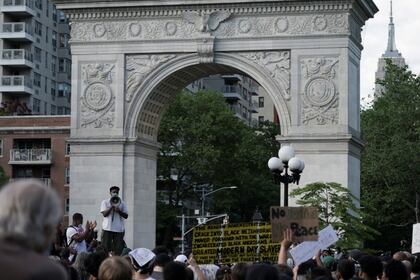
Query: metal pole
[[183, 233], [286, 186], [202, 203]]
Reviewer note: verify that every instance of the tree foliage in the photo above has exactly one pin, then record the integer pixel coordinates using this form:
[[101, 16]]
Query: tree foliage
[[337, 207], [204, 144], [390, 166]]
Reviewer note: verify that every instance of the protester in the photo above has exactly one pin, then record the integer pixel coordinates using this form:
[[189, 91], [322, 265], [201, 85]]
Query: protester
[[345, 270], [161, 260], [143, 262], [415, 271], [371, 268], [175, 271], [77, 236], [80, 267], [239, 271], [262, 272], [29, 214], [59, 243], [395, 270], [93, 263], [224, 273], [115, 268], [114, 211]]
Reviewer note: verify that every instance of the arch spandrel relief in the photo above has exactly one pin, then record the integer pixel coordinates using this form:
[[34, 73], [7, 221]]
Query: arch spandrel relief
[[138, 67], [320, 94], [97, 102]]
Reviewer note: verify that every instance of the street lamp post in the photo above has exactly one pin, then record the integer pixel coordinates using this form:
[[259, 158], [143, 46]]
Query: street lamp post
[[284, 162], [203, 199]]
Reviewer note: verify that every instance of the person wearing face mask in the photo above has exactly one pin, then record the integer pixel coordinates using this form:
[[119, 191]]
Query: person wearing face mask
[[115, 212]]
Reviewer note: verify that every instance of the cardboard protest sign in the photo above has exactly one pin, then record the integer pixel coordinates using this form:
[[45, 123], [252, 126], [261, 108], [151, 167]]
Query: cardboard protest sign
[[415, 246], [233, 243], [303, 221]]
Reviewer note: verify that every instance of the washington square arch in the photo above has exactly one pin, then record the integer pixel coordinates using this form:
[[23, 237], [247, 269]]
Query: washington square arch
[[129, 58]]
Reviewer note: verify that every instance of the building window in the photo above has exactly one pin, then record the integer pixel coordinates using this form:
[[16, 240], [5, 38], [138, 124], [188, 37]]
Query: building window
[[261, 102], [53, 110], [36, 105], [64, 40], [54, 39], [38, 4], [260, 119], [54, 13], [46, 84], [37, 79], [62, 17], [46, 60], [53, 64], [67, 176], [38, 28], [46, 35], [53, 89], [64, 90], [60, 110], [38, 55], [67, 206], [1, 147], [68, 149]]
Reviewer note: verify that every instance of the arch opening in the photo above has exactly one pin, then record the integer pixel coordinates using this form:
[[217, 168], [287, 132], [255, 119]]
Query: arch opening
[[160, 87]]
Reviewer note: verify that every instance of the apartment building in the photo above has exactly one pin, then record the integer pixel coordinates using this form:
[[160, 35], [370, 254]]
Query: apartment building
[[266, 109], [36, 147], [238, 91], [35, 59]]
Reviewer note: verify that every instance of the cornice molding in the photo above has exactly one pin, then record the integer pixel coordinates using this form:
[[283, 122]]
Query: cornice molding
[[237, 9]]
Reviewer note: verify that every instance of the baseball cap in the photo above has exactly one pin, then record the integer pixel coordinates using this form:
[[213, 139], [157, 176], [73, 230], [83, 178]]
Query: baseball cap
[[181, 258]]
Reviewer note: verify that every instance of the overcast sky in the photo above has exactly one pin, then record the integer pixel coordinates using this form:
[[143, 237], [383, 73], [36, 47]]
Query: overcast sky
[[375, 38]]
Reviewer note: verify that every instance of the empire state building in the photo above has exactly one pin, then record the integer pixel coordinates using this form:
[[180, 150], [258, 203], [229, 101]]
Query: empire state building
[[391, 53]]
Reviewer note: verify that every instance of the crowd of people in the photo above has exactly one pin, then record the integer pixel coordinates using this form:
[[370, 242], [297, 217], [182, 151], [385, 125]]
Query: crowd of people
[[32, 246]]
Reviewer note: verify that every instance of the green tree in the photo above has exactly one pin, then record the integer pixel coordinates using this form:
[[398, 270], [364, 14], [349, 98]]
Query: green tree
[[204, 144], [337, 207], [390, 166]]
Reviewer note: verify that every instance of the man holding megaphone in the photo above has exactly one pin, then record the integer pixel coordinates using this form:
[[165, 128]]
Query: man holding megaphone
[[114, 211]]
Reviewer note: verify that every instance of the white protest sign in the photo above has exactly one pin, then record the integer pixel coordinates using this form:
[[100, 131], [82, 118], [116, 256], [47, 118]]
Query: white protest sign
[[327, 237], [304, 251], [308, 249], [415, 246]]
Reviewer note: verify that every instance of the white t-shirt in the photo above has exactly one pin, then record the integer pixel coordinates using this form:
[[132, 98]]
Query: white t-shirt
[[113, 222], [77, 246]]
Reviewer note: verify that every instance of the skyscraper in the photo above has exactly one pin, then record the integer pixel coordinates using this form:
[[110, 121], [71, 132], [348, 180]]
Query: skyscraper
[[391, 53], [35, 60]]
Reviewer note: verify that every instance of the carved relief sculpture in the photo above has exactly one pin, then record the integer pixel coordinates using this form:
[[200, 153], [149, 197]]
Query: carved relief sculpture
[[277, 64], [97, 100], [190, 25], [206, 22], [320, 94], [138, 67]]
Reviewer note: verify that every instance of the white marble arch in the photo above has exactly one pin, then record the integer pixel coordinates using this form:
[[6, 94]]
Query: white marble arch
[[130, 57]]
